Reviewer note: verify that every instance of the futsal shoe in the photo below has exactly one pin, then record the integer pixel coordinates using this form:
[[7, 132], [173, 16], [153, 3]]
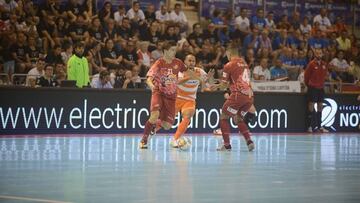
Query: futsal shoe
[[310, 130], [224, 148], [250, 145], [323, 130], [143, 145], [217, 132], [174, 143]]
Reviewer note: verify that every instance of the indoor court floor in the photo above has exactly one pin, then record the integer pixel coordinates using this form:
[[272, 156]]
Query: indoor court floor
[[105, 168]]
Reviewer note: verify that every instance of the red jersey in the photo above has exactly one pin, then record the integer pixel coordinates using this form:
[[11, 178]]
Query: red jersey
[[237, 72], [165, 76], [315, 74]]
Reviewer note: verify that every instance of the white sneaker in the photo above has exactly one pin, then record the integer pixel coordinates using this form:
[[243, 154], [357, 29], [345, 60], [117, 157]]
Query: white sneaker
[[310, 130], [217, 132], [174, 143]]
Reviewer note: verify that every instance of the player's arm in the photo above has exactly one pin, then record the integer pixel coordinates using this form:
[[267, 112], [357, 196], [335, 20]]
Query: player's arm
[[149, 82], [224, 81]]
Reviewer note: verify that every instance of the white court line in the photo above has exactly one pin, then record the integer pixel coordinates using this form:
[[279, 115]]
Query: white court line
[[30, 199]]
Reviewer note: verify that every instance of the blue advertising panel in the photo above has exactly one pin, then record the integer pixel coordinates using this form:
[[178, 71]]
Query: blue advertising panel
[[208, 6], [310, 8], [340, 9]]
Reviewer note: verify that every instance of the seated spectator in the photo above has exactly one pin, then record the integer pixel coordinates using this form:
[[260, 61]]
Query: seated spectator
[[135, 14], [206, 58], [281, 40], [36, 72], [18, 53], [305, 27], [211, 34], [264, 41], [300, 59], [163, 17], [258, 20], [323, 20], [54, 56], [73, 9], [242, 23], [250, 58], [111, 32], [152, 35], [120, 14], [144, 57], [261, 72], [196, 38], [318, 41], [170, 34], [295, 39], [101, 80], [295, 20], [136, 79], [47, 30], [96, 31], [94, 58], [125, 31], [130, 57], [110, 57], [289, 63], [178, 16], [79, 30], [47, 80], [339, 25], [150, 13], [284, 23], [67, 53], [106, 13], [61, 33], [343, 42], [341, 67], [32, 51], [184, 49], [277, 72], [124, 80], [59, 68], [158, 52], [270, 24], [251, 41]]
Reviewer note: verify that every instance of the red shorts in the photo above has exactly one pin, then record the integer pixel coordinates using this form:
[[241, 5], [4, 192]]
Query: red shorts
[[236, 104], [165, 105]]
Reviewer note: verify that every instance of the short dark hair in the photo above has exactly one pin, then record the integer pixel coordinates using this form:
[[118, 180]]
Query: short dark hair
[[79, 44], [168, 44]]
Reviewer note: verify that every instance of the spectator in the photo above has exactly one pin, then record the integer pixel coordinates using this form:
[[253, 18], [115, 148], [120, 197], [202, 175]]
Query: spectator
[[35, 72], [323, 20], [79, 30], [78, 68], [250, 58], [242, 23], [144, 55], [270, 24], [125, 31], [162, 15], [251, 41], [136, 80], [339, 26], [158, 52], [110, 57], [152, 34], [170, 34], [305, 27], [7, 43], [94, 58], [281, 41], [18, 52], [67, 53], [178, 16], [32, 52], [184, 49], [90, 8], [125, 81], [295, 20], [211, 34], [101, 80], [317, 42], [150, 13], [59, 68], [196, 38], [74, 9], [206, 58], [258, 20], [277, 72], [341, 66], [50, 8], [54, 56], [289, 63], [96, 31], [343, 42], [284, 23], [130, 57], [120, 14], [47, 80], [106, 13], [135, 14], [61, 33], [8, 7], [264, 40], [261, 72], [111, 32]]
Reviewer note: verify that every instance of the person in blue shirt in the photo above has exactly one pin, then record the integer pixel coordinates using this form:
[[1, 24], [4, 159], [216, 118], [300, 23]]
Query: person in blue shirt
[[259, 20], [251, 41], [317, 41], [277, 72], [281, 40]]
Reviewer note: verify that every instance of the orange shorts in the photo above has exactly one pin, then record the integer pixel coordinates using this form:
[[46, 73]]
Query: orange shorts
[[182, 104]]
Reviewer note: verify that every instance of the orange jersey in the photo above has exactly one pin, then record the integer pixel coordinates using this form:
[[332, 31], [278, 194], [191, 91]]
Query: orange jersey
[[188, 90]]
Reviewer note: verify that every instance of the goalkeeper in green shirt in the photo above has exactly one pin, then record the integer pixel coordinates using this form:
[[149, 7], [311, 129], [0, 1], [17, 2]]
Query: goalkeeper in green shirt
[[78, 67]]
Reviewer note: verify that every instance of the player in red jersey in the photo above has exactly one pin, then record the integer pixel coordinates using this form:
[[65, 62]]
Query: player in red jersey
[[162, 80], [239, 104], [315, 74]]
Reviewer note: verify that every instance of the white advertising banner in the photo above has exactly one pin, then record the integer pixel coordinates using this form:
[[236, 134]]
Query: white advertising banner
[[276, 86]]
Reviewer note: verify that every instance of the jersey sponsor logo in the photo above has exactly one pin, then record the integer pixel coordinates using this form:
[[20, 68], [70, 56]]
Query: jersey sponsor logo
[[176, 67], [231, 110]]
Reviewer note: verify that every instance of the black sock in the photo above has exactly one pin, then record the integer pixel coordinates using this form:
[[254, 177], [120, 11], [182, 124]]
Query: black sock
[[318, 119], [313, 120]]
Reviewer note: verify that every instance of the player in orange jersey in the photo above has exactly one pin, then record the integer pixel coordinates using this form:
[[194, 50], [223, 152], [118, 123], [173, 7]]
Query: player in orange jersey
[[187, 88]]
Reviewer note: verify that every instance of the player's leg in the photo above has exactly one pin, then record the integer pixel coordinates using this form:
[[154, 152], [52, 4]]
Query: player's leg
[[178, 105], [311, 111], [245, 116], [244, 130], [155, 106], [319, 110], [229, 109], [167, 113], [187, 113]]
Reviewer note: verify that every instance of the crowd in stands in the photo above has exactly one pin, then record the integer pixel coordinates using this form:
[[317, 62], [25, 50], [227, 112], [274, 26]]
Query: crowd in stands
[[121, 45]]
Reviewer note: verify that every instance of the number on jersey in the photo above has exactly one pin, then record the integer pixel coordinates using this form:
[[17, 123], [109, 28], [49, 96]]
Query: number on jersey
[[246, 76]]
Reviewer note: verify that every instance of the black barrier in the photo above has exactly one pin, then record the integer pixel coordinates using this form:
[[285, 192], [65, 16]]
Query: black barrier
[[94, 111]]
